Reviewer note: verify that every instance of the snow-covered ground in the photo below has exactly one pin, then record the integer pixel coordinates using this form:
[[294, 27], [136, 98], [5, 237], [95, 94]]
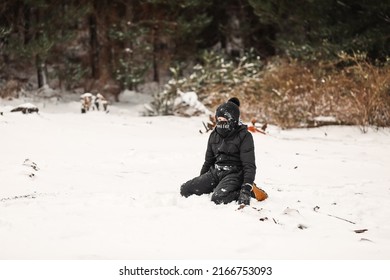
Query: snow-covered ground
[[106, 186]]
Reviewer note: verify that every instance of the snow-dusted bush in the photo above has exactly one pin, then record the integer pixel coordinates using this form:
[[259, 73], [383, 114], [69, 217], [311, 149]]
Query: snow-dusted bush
[[214, 69], [188, 104]]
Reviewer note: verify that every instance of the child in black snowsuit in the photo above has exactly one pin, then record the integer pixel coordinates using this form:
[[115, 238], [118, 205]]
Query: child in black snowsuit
[[229, 169]]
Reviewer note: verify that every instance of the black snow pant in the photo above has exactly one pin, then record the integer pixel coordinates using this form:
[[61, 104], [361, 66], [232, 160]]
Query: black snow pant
[[224, 184]]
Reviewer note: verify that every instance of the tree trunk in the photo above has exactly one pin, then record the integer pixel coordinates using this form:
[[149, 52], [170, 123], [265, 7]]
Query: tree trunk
[[156, 77], [101, 51], [39, 60], [26, 23], [94, 44], [105, 57], [41, 74], [100, 47]]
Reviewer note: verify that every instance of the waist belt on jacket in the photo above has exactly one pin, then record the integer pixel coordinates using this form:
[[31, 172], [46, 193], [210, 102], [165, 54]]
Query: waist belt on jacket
[[225, 167]]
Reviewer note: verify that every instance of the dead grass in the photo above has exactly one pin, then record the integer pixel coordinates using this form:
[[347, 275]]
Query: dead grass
[[290, 93]]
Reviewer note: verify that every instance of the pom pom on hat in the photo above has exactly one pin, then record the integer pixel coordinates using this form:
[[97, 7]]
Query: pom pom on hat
[[235, 100]]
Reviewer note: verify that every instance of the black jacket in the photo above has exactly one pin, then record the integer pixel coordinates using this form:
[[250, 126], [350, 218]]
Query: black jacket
[[237, 149]]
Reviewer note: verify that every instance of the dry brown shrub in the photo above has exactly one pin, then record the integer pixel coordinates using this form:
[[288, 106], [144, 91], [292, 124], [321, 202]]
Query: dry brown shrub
[[11, 89], [290, 93], [369, 89]]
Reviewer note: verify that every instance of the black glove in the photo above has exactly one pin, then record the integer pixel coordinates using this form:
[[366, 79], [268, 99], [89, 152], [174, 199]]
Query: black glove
[[245, 194]]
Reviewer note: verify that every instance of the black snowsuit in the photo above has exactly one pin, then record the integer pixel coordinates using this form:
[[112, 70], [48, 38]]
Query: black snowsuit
[[229, 163]]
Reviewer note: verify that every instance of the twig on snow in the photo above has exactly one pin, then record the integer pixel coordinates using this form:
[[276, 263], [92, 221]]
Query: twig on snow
[[330, 215]]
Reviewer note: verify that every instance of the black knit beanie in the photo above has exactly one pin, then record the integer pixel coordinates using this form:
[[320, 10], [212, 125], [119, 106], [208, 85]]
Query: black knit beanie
[[229, 111]]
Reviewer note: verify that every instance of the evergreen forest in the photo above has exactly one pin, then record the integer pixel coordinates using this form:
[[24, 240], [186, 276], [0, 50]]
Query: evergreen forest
[[288, 61]]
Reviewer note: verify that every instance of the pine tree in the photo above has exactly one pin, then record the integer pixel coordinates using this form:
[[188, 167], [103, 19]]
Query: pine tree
[[34, 28], [306, 28]]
